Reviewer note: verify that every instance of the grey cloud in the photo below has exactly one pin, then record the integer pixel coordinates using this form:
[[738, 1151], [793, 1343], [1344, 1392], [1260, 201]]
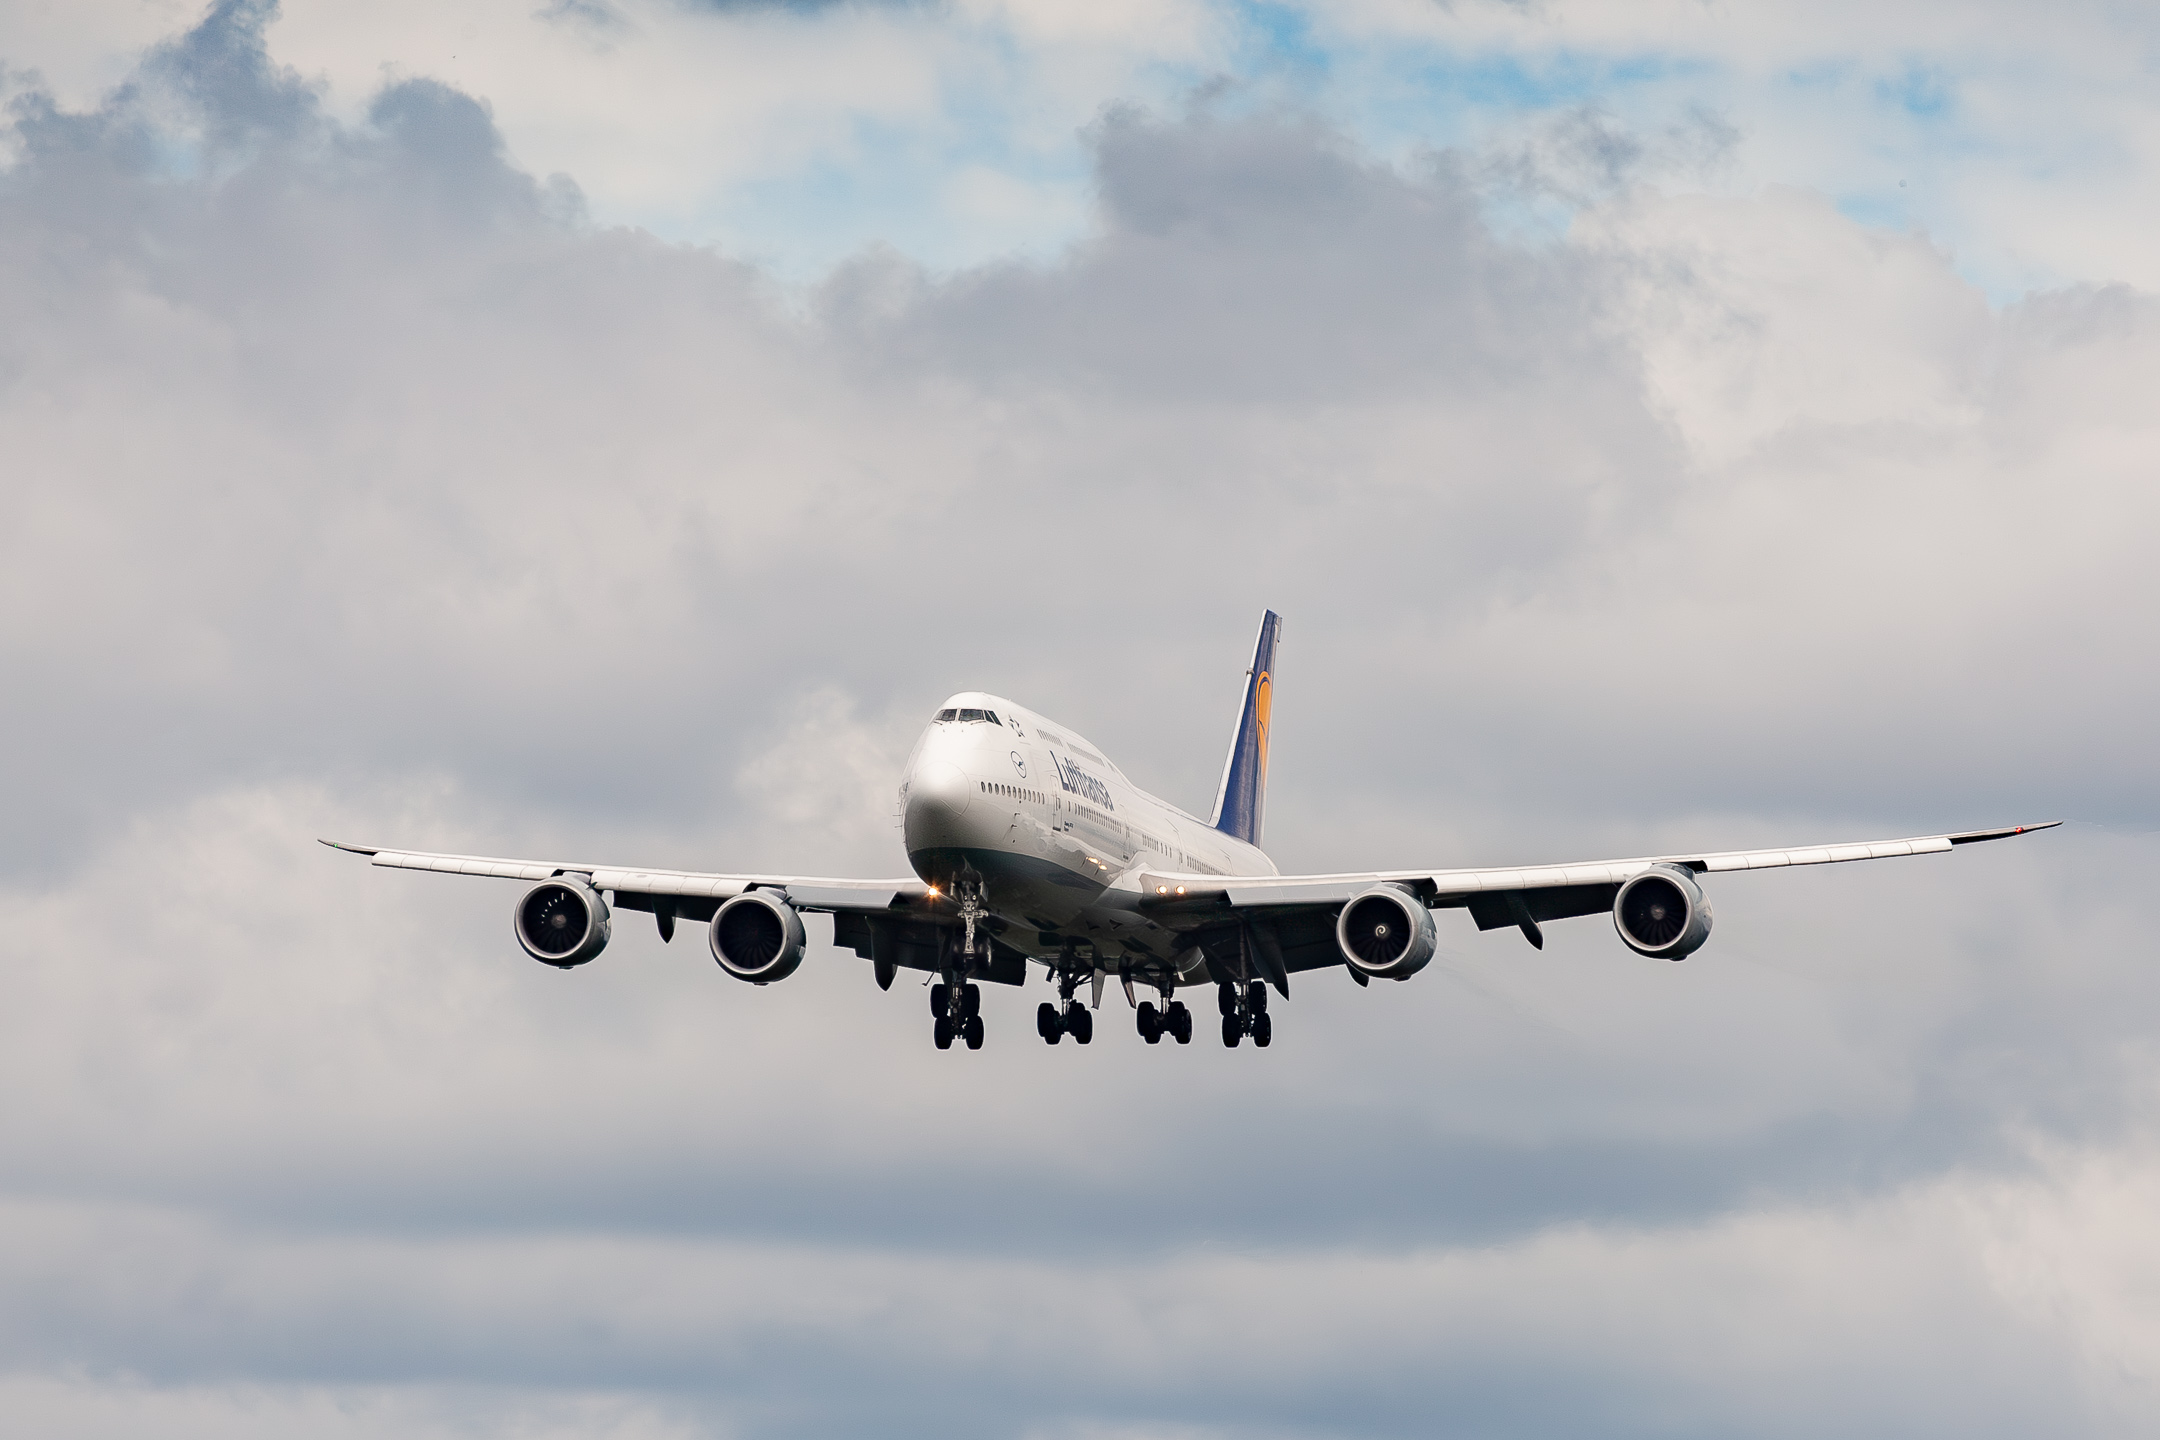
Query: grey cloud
[[373, 489], [1259, 261]]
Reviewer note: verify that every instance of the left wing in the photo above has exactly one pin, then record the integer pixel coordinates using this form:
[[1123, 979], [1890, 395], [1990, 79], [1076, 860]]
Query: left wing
[[891, 923], [1295, 913], [698, 893]]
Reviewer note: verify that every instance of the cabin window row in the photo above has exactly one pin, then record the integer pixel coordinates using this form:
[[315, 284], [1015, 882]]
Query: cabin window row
[[1013, 792]]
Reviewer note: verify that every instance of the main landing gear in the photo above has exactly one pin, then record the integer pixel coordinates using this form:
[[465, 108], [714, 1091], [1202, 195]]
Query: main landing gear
[[1173, 1020], [958, 1008], [1244, 1012], [1054, 1022], [1067, 1017]]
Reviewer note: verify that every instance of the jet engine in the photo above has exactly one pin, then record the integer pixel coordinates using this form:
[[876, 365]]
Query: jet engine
[[562, 922], [758, 937], [1386, 932], [1663, 913]]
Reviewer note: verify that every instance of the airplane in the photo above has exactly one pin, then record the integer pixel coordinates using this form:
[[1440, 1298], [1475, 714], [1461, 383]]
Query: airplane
[[1030, 846]]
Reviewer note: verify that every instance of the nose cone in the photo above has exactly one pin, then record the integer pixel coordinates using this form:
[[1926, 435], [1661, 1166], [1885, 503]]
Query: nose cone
[[937, 803]]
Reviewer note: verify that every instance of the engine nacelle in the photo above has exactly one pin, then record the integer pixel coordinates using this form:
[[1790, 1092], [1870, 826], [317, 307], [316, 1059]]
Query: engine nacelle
[[562, 922], [1386, 932], [1663, 913], [758, 937]]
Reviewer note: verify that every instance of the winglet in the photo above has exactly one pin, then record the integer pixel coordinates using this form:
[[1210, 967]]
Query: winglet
[[350, 849], [1971, 837]]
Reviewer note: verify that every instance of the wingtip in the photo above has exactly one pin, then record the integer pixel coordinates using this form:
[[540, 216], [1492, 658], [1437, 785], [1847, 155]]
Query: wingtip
[[348, 849], [1971, 837]]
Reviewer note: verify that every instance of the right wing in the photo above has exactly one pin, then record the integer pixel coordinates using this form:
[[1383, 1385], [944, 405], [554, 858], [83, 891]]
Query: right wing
[[1293, 915]]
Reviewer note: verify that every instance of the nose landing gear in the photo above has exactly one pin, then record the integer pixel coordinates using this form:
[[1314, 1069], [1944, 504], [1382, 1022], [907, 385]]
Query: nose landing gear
[[956, 1001], [1244, 1012]]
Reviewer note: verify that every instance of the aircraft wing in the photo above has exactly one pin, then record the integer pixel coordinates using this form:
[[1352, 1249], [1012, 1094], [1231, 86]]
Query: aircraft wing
[[693, 895], [1295, 913]]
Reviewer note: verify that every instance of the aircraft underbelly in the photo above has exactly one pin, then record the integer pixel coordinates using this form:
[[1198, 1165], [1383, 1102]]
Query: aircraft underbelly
[[1036, 897]]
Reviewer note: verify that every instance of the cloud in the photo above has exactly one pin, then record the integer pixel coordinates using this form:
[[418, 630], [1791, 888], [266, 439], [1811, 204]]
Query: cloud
[[367, 485]]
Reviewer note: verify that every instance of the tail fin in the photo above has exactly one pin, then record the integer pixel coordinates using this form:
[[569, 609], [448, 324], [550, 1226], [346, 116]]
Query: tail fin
[[1243, 796]]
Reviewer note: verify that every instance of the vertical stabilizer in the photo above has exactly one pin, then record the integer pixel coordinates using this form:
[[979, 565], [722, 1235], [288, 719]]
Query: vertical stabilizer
[[1242, 797]]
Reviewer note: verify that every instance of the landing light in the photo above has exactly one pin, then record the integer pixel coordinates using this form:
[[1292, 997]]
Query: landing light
[[933, 892]]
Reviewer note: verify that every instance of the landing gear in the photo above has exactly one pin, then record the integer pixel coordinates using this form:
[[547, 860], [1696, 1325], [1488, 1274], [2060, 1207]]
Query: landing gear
[[1068, 1016], [1244, 1012], [958, 1008], [1173, 1020]]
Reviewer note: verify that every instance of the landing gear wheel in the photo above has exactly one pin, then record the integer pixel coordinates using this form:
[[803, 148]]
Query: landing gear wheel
[[1226, 999], [1081, 1023], [974, 1028], [1232, 1032], [1150, 1021], [941, 1034], [938, 996], [1263, 1029], [1048, 1023], [1180, 1022], [1257, 1001], [970, 1001]]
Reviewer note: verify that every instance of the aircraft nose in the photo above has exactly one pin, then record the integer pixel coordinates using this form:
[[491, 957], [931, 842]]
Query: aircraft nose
[[937, 800]]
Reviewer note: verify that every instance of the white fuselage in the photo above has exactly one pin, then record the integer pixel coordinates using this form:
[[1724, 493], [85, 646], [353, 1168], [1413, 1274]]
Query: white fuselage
[[1055, 835]]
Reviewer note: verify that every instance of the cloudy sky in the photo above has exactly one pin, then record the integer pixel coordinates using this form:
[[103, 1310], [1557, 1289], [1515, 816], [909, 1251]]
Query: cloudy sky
[[606, 428]]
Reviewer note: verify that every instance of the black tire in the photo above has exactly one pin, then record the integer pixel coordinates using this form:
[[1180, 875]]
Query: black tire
[[1232, 1032], [1226, 999], [1258, 999], [1082, 1024], [974, 1028], [941, 1033], [1046, 1021], [1150, 1023], [970, 1001], [1181, 1023], [937, 998], [1263, 1029]]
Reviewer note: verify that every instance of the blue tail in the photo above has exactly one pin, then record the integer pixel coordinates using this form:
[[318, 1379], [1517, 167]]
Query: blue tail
[[1243, 796]]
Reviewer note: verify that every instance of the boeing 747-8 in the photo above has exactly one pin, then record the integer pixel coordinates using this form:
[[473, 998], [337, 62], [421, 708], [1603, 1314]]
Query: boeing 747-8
[[1030, 847]]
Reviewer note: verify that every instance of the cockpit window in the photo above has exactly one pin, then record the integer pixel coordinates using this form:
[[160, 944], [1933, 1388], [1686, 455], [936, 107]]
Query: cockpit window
[[966, 715], [991, 716], [947, 714]]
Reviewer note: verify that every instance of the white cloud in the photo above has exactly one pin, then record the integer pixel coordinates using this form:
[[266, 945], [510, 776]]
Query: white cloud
[[376, 493]]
